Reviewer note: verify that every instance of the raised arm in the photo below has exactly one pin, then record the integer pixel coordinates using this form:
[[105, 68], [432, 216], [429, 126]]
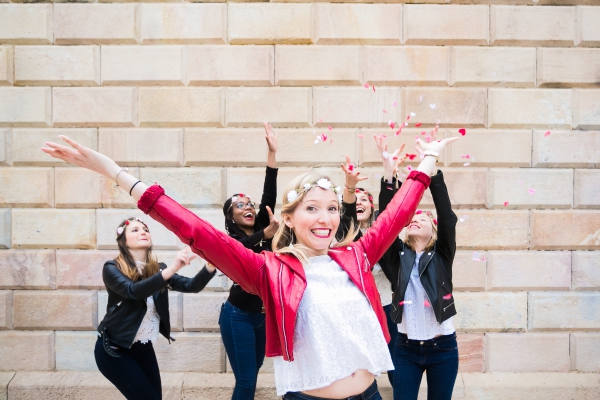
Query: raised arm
[[446, 218], [269, 195], [115, 281], [348, 217]]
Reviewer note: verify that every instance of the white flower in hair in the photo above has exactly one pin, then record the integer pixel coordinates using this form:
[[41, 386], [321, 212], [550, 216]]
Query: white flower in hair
[[292, 196], [324, 183], [234, 199], [119, 230], [338, 189], [307, 186]]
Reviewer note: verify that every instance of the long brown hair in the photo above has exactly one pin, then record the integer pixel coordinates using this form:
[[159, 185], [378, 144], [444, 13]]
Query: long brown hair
[[125, 261], [284, 236]]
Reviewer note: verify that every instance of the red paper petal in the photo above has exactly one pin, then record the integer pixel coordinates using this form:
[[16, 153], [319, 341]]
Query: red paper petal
[[418, 212], [360, 136], [447, 297], [547, 133], [411, 156], [418, 124], [531, 191], [505, 203], [435, 221], [462, 131], [329, 127], [373, 88], [366, 85]]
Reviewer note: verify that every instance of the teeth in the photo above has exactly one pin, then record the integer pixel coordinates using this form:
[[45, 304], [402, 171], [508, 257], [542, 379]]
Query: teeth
[[321, 232]]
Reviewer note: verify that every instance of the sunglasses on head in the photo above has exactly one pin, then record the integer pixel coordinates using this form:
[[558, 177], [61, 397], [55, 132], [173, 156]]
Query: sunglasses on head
[[241, 205]]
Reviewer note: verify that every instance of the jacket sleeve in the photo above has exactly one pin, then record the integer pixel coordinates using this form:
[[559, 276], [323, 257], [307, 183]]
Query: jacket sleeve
[[191, 285], [389, 223], [128, 289], [224, 252], [348, 219], [446, 218], [390, 262], [269, 198]]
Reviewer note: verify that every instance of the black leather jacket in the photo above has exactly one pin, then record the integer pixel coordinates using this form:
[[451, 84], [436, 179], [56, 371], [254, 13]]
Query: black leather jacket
[[435, 266], [129, 300]]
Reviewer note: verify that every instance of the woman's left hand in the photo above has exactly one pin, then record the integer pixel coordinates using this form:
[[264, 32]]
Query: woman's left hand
[[183, 258], [271, 137], [352, 175]]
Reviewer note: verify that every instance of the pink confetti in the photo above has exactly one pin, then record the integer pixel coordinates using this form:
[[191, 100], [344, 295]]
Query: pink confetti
[[418, 124], [412, 114], [483, 259], [320, 120], [404, 302], [394, 104], [423, 133], [373, 88], [427, 303], [418, 212], [399, 131], [351, 167], [366, 85], [394, 158], [411, 156], [547, 133], [384, 111], [409, 168], [360, 136], [323, 137], [447, 297], [391, 124], [466, 164], [388, 188], [427, 138], [329, 127], [466, 156], [520, 183], [462, 131], [505, 203], [531, 191]]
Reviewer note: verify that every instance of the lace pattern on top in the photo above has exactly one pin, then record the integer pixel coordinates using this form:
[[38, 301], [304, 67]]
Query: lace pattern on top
[[418, 318], [149, 329], [383, 285], [337, 332]]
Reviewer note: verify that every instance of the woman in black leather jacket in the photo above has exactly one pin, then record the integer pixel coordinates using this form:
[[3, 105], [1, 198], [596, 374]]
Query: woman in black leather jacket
[[138, 310], [420, 267]]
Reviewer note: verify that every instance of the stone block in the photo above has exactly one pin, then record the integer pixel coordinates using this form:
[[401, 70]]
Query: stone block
[[27, 351], [530, 108], [358, 23], [587, 31], [198, 386], [5, 147], [281, 107], [451, 107], [225, 147], [201, 311], [587, 188], [530, 188], [26, 187], [183, 23], [559, 311], [81, 384], [447, 24], [181, 107], [81, 269], [26, 23], [109, 220], [406, 65], [57, 65], [298, 147], [566, 149], [5, 378], [25, 106], [95, 107], [355, 107], [176, 311], [470, 352], [220, 65], [493, 230], [27, 269], [101, 192], [529, 270], [191, 352], [490, 311], [532, 386], [469, 272], [527, 352], [75, 351], [493, 148], [250, 181], [466, 188], [143, 147], [191, 187], [6, 65], [6, 302], [317, 65], [270, 23], [5, 225], [511, 25], [558, 67], [219, 283], [144, 65], [35, 228], [26, 145], [565, 230], [585, 270], [585, 352], [493, 66], [56, 310], [586, 109], [96, 24]]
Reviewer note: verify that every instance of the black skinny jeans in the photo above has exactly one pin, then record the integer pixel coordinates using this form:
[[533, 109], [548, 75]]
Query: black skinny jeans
[[135, 373]]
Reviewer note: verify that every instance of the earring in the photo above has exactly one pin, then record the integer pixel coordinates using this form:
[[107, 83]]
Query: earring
[[291, 246]]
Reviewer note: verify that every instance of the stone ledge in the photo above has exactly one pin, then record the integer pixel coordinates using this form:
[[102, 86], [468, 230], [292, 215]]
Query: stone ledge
[[177, 385]]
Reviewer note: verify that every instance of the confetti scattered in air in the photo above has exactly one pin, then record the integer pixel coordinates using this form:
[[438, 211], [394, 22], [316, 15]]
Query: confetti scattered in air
[[391, 124], [420, 98], [505, 203], [466, 156], [432, 106], [427, 303], [316, 141], [547, 133], [411, 156], [423, 133], [384, 111], [351, 167], [409, 168], [462, 131], [399, 131], [404, 302], [412, 114], [466, 164], [463, 218], [447, 297], [394, 104], [531, 191], [366, 85], [373, 88], [418, 124], [418, 212], [330, 127], [476, 256], [360, 136], [323, 137], [320, 120]]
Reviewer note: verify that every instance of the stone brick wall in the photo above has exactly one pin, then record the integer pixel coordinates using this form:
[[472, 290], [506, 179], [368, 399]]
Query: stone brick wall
[[178, 93]]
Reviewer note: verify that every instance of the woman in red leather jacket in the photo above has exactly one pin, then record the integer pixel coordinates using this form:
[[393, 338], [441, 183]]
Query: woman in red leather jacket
[[325, 325]]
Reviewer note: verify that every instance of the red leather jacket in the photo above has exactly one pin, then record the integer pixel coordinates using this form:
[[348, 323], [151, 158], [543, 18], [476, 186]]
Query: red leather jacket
[[279, 279]]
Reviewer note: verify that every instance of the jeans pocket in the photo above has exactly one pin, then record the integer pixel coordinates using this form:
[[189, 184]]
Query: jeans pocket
[[446, 345]]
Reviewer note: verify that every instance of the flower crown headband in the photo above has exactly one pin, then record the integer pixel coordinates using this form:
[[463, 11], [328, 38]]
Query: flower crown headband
[[323, 183], [369, 195], [429, 214], [122, 228]]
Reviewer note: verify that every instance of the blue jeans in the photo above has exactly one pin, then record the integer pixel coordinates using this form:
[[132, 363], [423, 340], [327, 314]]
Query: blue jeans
[[438, 356], [371, 393], [393, 330], [244, 337]]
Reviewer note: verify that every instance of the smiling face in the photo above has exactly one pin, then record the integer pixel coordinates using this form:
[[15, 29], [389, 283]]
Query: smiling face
[[137, 236], [420, 228], [363, 208], [315, 220], [243, 212]]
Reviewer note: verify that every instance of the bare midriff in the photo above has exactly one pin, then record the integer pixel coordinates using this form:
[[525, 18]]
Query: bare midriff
[[351, 385]]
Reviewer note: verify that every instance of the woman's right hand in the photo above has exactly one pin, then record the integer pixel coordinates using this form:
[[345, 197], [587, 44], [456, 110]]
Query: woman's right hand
[[270, 230], [390, 161]]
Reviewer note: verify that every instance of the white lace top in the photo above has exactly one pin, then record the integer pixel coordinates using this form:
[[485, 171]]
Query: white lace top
[[337, 332], [418, 318], [149, 329], [383, 285]]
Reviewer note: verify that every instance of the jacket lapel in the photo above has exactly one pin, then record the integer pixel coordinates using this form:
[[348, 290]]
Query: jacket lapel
[[407, 260]]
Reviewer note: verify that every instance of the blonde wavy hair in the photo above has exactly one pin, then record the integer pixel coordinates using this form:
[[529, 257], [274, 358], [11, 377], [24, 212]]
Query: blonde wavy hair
[[408, 241], [284, 236]]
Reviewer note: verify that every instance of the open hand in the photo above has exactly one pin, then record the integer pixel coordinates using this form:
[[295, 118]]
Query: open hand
[[184, 257], [391, 161], [352, 175], [270, 230], [271, 137]]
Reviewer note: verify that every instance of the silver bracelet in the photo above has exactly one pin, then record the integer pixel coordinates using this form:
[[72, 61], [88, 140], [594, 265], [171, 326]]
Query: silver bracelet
[[117, 177]]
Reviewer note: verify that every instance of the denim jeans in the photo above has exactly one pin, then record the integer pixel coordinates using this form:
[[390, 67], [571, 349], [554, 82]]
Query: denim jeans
[[371, 393], [393, 330], [244, 338], [437, 356]]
